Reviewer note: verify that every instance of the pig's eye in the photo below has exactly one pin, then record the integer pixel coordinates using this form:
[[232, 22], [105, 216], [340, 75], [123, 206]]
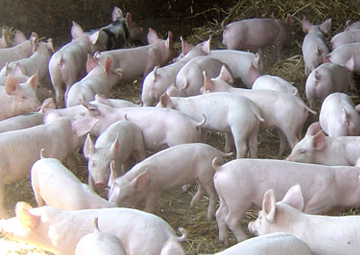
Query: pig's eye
[[302, 152], [24, 97]]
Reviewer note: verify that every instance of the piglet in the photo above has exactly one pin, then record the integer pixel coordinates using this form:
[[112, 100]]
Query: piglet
[[317, 148], [167, 169], [352, 25], [346, 37], [324, 234], [67, 65], [314, 46], [114, 146], [59, 231], [329, 78], [99, 80], [343, 53], [251, 34], [98, 243], [339, 116]]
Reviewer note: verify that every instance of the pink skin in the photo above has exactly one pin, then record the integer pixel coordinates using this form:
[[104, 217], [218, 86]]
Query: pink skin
[[339, 116], [328, 78], [18, 98], [286, 112], [100, 242], [241, 184], [346, 37], [48, 228], [317, 148], [99, 80], [271, 244], [22, 121], [190, 78], [339, 233], [314, 46], [165, 170], [252, 34], [161, 128], [25, 144], [54, 185], [134, 62], [159, 79], [22, 50], [241, 126], [38, 61], [352, 26], [117, 103], [67, 65], [117, 143], [342, 54], [239, 62], [20, 37]]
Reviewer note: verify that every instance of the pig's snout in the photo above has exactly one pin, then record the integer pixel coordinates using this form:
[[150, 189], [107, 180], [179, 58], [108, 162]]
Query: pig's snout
[[100, 185]]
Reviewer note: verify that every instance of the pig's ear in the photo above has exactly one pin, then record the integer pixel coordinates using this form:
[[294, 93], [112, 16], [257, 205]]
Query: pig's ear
[[206, 46], [152, 36], [350, 64], [208, 84], [11, 85], [128, 19], [253, 74], [306, 25], [18, 70], [165, 100], [100, 98], [19, 37], [76, 30], [288, 20], [169, 39], [319, 140], [89, 147], [50, 45], [35, 43], [294, 197], [113, 176], [226, 75], [313, 129], [107, 65], [33, 80], [140, 181], [27, 220], [117, 13], [48, 103], [115, 147], [83, 126], [94, 37], [185, 47], [269, 205], [90, 63], [325, 26], [93, 110]]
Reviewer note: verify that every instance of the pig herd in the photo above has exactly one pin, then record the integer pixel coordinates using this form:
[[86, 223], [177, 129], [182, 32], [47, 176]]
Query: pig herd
[[197, 93]]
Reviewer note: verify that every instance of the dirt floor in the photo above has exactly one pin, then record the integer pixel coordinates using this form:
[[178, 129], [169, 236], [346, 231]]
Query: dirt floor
[[173, 205]]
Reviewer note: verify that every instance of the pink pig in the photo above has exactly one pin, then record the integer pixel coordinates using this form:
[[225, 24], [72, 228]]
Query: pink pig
[[324, 234], [314, 46], [67, 65], [342, 54], [352, 26], [54, 185], [165, 170], [339, 116], [317, 148], [99, 80], [346, 37], [59, 231], [250, 178], [251, 34], [328, 78]]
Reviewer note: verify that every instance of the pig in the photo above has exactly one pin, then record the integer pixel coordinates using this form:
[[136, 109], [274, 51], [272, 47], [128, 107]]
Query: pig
[[328, 78], [324, 234], [22, 50], [190, 78], [342, 54], [19, 37], [161, 128], [116, 103], [116, 144], [314, 46], [286, 112], [4, 39], [250, 178], [21, 148], [67, 65], [18, 98], [120, 31], [339, 116], [317, 148], [270, 82], [251, 34], [59, 231], [352, 26], [55, 185], [346, 37], [270, 244], [138, 61], [241, 125], [159, 79], [99, 80], [98, 242], [167, 169], [38, 61], [239, 62]]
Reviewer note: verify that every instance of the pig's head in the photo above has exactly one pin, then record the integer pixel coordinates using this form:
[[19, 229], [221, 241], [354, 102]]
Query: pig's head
[[189, 52], [310, 147], [218, 84], [127, 192], [276, 217]]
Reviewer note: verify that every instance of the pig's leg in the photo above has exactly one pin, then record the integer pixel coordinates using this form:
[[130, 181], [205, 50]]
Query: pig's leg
[[278, 50], [72, 163], [91, 182], [35, 185], [233, 219], [3, 213], [198, 195], [221, 212], [253, 143], [151, 201], [229, 142], [283, 142], [292, 137]]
